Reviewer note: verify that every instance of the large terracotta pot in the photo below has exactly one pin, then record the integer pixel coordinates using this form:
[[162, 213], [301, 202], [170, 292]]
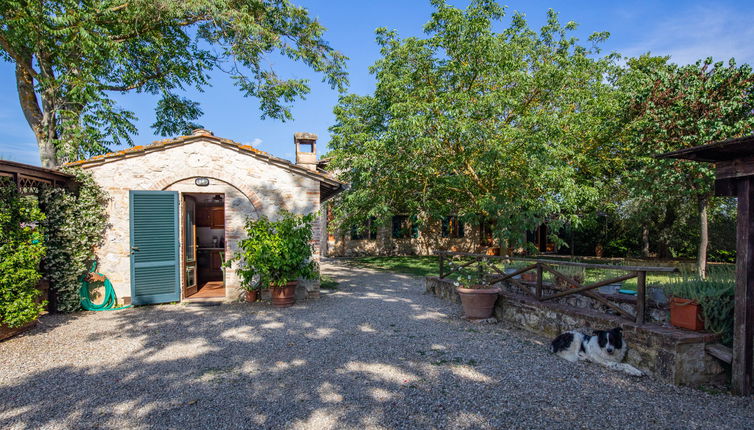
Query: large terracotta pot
[[284, 296], [685, 313], [478, 303]]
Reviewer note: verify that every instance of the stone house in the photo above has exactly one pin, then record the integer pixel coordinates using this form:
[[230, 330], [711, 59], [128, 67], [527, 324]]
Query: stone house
[[178, 207]]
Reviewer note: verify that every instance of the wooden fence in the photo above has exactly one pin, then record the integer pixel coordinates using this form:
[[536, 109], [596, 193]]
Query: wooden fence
[[572, 286]]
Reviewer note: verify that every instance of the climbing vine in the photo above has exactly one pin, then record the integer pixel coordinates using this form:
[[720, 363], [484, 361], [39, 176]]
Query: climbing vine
[[21, 250], [74, 228]]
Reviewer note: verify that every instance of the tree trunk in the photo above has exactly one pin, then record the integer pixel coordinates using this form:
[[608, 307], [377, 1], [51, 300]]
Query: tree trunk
[[701, 260], [645, 240], [38, 121]]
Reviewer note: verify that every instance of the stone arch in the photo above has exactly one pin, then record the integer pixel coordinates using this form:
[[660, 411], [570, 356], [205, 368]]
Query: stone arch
[[244, 189]]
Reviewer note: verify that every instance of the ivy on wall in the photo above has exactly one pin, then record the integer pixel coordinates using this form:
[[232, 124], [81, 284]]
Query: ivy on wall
[[21, 250], [73, 229]]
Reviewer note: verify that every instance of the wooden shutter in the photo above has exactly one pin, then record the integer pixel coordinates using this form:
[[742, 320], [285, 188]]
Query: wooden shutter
[[154, 247]]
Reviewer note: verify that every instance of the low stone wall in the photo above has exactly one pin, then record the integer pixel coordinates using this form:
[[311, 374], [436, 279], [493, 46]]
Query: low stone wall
[[670, 354]]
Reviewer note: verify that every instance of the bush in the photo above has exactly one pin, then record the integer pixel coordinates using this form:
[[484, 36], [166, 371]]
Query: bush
[[21, 250], [74, 227], [276, 252]]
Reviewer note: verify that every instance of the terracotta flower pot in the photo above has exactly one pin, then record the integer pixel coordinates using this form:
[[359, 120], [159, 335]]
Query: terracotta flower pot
[[284, 296], [529, 276], [251, 296], [478, 303], [685, 313]]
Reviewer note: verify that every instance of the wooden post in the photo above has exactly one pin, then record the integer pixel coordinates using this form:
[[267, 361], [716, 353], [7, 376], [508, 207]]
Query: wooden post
[[743, 325], [641, 296], [539, 282], [442, 265]]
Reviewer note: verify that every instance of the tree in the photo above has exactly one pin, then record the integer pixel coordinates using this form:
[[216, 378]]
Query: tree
[[672, 107], [71, 57], [477, 124]]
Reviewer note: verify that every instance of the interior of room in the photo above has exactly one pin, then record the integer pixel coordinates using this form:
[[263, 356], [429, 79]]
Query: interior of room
[[204, 224]]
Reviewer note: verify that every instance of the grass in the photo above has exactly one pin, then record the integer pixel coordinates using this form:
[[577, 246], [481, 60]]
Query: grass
[[327, 283], [429, 266]]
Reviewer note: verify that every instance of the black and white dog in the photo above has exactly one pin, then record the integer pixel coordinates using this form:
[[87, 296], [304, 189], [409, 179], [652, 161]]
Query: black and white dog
[[605, 347]]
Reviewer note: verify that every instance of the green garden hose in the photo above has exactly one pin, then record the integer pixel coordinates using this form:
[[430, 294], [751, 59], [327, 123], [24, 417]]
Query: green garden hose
[[108, 304]]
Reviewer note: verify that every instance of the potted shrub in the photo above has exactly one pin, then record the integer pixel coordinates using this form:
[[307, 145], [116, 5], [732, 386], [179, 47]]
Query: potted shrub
[[477, 298], [276, 254], [696, 303]]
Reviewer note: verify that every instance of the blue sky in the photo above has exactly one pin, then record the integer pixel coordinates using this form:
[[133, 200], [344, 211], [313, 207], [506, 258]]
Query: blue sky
[[686, 30]]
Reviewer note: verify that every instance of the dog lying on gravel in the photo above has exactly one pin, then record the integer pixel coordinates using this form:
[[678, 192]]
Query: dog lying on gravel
[[605, 347]]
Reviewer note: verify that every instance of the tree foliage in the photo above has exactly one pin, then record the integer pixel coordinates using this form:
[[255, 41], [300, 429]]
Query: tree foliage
[[71, 57], [481, 124], [671, 107], [74, 227]]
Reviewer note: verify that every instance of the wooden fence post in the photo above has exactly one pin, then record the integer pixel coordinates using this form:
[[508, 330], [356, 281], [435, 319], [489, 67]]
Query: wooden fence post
[[538, 292], [641, 296], [442, 266]]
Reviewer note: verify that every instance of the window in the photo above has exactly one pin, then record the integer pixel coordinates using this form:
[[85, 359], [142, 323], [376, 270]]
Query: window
[[452, 227], [405, 227], [486, 236], [366, 231]]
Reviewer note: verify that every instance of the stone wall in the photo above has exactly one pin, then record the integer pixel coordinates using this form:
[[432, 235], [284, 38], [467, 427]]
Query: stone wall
[[670, 354], [252, 187]]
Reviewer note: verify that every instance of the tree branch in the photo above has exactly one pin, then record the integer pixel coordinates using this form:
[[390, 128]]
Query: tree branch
[[19, 59]]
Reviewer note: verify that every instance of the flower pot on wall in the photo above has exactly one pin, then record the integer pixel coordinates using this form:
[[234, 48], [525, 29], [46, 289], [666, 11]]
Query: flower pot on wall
[[685, 313], [284, 296], [478, 303]]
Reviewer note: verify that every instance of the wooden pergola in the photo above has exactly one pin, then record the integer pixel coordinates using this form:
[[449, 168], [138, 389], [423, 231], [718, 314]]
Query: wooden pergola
[[734, 176], [30, 178]]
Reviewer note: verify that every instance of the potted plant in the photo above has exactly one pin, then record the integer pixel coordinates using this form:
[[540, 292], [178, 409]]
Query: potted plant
[[277, 254], [699, 304], [477, 298], [685, 309]]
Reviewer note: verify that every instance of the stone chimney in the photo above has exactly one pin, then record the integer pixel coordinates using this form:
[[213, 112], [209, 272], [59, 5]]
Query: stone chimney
[[306, 150], [202, 132]]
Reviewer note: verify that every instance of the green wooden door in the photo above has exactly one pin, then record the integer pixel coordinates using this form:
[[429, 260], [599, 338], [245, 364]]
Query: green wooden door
[[154, 247]]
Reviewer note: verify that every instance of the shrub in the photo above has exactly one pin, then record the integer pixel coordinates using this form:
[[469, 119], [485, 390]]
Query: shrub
[[276, 252], [21, 250], [74, 226]]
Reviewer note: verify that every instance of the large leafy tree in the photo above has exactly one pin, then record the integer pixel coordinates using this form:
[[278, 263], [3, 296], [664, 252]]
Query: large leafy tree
[[477, 123], [71, 57], [671, 107]]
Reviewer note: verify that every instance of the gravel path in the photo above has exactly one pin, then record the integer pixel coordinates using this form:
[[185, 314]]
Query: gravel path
[[377, 353]]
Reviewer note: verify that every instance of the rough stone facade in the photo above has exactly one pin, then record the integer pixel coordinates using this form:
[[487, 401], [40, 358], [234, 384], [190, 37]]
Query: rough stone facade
[[670, 354], [253, 186]]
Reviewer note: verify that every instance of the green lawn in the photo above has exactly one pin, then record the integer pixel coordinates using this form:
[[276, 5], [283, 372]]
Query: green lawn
[[429, 266]]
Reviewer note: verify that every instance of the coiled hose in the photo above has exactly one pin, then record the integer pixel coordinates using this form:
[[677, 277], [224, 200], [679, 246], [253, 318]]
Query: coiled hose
[[110, 301]]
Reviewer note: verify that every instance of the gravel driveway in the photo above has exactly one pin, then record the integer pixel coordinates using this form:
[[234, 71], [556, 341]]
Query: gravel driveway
[[377, 353]]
